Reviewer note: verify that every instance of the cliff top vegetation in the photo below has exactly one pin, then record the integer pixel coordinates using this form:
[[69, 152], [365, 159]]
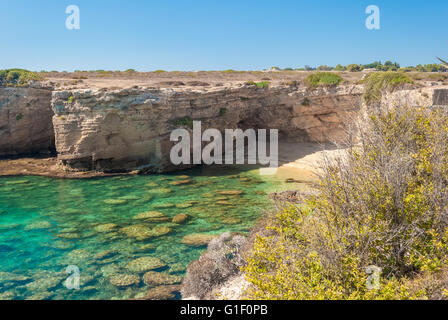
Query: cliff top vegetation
[[17, 77], [377, 226]]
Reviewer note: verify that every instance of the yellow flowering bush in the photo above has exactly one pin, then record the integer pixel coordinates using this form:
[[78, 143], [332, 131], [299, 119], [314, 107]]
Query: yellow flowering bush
[[383, 204]]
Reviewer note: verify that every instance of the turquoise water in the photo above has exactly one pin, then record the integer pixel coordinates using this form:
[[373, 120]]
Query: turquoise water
[[49, 224]]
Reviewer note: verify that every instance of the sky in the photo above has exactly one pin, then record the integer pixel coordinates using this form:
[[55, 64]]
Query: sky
[[218, 35]]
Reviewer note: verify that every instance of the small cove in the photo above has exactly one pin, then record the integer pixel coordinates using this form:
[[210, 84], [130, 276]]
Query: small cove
[[48, 224]]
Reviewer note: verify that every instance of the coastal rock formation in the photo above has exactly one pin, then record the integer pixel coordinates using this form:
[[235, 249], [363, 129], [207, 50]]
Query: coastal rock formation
[[25, 121], [427, 96], [220, 264], [129, 129]]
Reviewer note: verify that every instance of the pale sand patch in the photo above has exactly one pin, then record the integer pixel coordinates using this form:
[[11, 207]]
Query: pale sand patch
[[303, 160]]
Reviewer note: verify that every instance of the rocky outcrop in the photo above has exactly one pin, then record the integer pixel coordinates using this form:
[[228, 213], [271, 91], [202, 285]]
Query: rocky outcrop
[[212, 275], [129, 129], [25, 121], [436, 96], [119, 130]]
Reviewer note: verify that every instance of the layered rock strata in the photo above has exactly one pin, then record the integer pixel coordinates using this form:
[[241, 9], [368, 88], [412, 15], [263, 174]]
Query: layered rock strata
[[128, 129], [25, 121], [119, 130]]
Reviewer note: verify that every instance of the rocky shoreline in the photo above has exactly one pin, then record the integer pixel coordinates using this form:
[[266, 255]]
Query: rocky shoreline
[[217, 274], [46, 167]]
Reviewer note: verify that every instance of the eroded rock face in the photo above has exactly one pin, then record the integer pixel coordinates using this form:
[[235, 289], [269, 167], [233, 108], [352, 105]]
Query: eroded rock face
[[129, 129], [428, 97], [26, 125]]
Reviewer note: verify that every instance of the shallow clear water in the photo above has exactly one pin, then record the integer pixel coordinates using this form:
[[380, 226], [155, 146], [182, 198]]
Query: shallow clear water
[[48, 224]]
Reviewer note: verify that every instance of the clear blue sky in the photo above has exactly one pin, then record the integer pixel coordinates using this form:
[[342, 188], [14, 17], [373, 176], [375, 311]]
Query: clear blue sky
[[215, 35]]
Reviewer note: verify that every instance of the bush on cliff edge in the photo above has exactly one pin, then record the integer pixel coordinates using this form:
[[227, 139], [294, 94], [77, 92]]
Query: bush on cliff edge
[[384, 204], [325, 79], [17, 77], [379, 82]]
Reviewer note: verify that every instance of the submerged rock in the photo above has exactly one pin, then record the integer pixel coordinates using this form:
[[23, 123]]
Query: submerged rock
[[138, 231], [180, 218], [108, 227], [149, 214], [78, 255], [152, 216], [224, 203], [160, 190], [207, 195], [59, 244], [38, 225], [44, 295], [180, 182], [71, 211], [160, 231], [69, 235], [69, 230], [197, 239], [184, 205], [163, 292], [230, 192], [17, 182], [153, 278], [10, 278], [146, 247], [177, 268], [44, 284], [115, 201], [7, 295], [124, 280], [105, 254], [109, 270], [143, 264], [151, 184]]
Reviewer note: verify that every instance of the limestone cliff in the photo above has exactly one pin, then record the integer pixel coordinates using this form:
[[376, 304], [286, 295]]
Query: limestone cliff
[[128, 129], [116, 130], [25, 121]]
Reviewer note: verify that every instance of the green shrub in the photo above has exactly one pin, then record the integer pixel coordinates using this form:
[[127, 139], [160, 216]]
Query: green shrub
[[354, 68], [262, 84], [382, 203], [340, 68], [183, 122], [71, 99], [324, 68], [379, 82], [325, 79], [19, 117], [17, 77], [222, 111]]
